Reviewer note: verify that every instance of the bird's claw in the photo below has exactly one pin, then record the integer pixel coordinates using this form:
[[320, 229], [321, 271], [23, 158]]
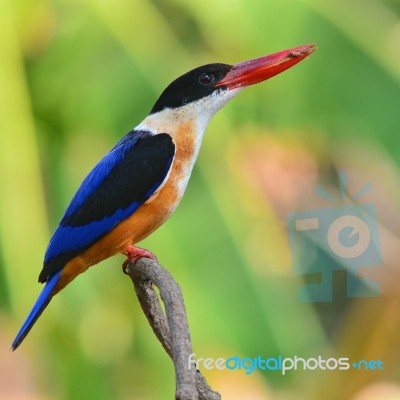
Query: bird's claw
[[133, 254]]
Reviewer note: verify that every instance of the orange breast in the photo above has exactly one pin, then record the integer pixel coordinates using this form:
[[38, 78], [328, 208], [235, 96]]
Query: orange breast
[[147, 217]]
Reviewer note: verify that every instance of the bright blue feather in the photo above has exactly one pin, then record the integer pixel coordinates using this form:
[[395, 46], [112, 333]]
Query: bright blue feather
[[40, 305], [70, 238], [101, 171], [117, 186], [66, 239]]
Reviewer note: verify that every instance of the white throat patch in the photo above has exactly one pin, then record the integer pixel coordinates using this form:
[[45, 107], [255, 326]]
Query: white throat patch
[[198, 112]]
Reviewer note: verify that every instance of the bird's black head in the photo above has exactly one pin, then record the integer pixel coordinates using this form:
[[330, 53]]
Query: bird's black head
[[194, 85]]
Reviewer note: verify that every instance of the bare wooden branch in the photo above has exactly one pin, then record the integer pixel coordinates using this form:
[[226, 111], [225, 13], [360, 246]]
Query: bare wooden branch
[[172, 329]]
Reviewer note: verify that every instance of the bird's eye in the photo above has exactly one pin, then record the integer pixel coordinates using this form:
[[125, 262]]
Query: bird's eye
[[206, 79]]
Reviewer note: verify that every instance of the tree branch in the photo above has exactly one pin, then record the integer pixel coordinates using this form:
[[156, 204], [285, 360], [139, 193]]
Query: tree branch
[[172, 329]]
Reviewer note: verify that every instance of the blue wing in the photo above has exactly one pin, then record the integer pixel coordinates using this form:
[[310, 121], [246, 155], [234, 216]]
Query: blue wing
[[122, 181]]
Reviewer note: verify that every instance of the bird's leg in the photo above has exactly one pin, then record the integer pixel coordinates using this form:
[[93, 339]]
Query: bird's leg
[[133, 254]]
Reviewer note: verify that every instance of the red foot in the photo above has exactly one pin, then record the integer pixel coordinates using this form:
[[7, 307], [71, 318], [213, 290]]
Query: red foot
[[133, 254]]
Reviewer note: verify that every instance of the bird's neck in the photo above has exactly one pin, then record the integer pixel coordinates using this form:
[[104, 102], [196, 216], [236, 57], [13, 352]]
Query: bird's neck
[[187, 134], [172, 121], [186, 129]]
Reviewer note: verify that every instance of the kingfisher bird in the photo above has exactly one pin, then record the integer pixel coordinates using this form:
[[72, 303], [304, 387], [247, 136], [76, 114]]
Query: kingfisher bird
[[140, 182]]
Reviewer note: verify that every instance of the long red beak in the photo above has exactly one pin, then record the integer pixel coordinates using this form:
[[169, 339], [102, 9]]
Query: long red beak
[[253, 71]]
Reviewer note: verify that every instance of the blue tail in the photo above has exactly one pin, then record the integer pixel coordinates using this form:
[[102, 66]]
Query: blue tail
[[41, 303]]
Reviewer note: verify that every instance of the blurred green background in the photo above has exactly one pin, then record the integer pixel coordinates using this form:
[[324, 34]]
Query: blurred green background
[[77, 75]]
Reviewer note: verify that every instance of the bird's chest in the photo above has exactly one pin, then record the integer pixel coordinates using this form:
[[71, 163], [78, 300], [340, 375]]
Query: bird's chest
[[187, 135], [164, 201], [187, 148]]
